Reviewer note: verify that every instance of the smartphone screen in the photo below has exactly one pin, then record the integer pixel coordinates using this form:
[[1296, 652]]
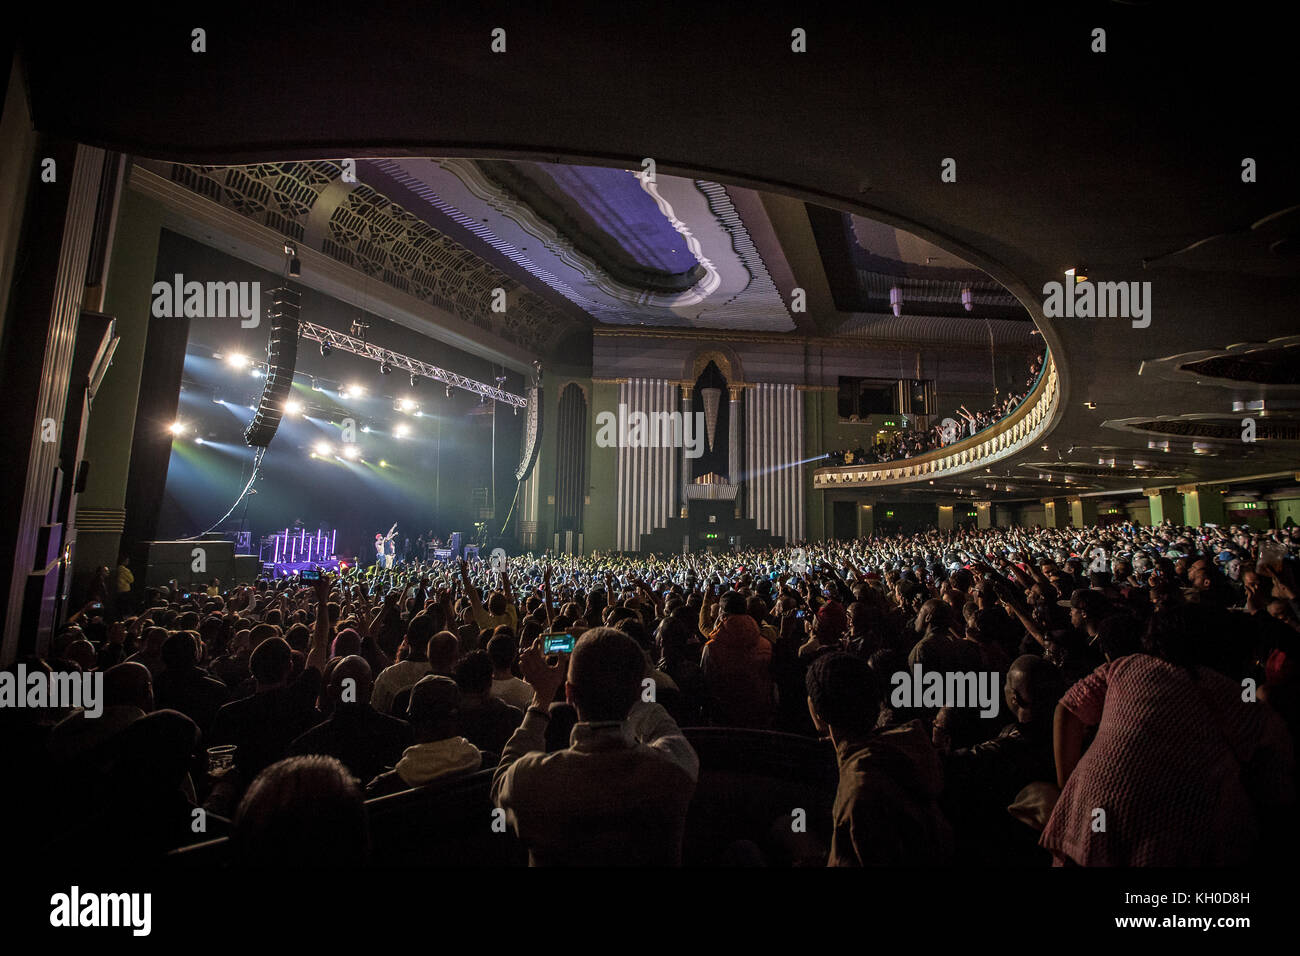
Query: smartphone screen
[[310, 574], [557, 643]]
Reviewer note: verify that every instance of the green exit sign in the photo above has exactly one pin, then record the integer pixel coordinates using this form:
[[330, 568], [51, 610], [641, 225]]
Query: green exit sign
[[889, 424], [889, 514]]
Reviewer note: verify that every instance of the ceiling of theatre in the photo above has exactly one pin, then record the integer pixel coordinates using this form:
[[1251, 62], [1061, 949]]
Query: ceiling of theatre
[[581, 247], [1128, 164]]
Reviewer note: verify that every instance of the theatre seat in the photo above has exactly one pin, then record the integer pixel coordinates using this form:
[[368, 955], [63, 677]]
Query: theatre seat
[[441, 825], [447, 824], [751, 783]]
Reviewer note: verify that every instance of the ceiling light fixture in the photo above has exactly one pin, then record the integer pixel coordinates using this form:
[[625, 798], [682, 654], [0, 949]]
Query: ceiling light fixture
[[896, 300]]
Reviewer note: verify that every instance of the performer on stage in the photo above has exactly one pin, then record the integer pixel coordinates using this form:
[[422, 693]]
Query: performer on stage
[[384, 549]]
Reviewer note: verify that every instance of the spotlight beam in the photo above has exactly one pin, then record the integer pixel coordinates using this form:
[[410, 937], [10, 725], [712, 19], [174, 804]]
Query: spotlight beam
[[349, 343]]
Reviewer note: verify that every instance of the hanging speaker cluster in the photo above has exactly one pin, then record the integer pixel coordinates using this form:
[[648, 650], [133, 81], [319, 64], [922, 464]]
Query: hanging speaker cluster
[[281, 357], [532, 433]]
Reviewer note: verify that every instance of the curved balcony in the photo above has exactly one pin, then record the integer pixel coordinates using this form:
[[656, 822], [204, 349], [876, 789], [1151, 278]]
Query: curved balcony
[[1022, 428]]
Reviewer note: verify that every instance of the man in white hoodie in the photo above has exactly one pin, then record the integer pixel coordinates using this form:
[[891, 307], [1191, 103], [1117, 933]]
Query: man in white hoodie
[[434, 715]]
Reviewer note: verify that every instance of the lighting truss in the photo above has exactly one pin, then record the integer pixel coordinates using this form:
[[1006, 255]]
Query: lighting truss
[[347, 343]]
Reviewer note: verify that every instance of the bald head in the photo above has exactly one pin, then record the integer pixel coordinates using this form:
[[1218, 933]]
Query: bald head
[[128, 683], [82, 653], [1034, 686], [351, 681]]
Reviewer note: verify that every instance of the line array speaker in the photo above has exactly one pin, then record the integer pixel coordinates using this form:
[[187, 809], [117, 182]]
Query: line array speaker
[[281, 357]]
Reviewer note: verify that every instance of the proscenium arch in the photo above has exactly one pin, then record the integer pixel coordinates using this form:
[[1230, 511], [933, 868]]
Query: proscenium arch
[[725, 358]]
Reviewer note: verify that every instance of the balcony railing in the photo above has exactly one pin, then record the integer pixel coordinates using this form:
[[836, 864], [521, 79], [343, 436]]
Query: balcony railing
[[1022, 428]]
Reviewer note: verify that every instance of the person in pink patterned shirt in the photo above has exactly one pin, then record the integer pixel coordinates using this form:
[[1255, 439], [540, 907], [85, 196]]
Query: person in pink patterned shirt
[[1182, 769]]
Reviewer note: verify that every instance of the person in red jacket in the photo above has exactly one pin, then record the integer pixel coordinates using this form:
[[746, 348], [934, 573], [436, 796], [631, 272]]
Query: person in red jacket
[[737, 667]]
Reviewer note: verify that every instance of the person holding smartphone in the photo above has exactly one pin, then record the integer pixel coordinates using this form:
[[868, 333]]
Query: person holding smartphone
[[625, 752]]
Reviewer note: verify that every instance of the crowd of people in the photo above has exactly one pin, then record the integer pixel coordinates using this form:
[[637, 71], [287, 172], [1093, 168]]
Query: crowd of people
[[910, 442], [1143, 703]]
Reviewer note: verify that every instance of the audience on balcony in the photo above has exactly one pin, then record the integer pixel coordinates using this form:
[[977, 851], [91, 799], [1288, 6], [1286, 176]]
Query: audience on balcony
[[911, 442]]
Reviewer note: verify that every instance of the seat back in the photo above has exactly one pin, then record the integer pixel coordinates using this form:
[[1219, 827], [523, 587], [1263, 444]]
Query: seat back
[[751, 783]]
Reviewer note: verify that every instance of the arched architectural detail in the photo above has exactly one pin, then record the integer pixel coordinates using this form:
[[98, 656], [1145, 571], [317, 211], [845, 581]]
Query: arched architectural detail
[[727, 360]]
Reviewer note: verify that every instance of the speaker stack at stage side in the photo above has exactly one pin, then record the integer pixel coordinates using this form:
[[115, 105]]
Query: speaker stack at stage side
[[191, 563], [247, 567], [281, 357]]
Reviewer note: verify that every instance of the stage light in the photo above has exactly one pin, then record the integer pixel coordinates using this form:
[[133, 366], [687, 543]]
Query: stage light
[[967, 299], [365, 429], [256, 373], [315, 386], [896, 300], [385, 368], [292, 407], [325, 349], [449, 391], [177, 428], [382, 463], [351, 450], [322, 448], [401, 431], [238, 360], [198, 440], [415, 380], [406, 405]]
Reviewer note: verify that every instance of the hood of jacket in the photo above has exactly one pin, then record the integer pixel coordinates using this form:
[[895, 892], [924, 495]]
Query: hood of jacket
[[424, 762], [904, 752], [738, 631]]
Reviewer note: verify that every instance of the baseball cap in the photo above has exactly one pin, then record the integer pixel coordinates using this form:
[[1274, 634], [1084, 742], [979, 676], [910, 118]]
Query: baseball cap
[[433, 698], [1086, 600]]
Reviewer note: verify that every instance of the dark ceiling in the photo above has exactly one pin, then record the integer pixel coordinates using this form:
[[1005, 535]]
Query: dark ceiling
[[1127, 162]]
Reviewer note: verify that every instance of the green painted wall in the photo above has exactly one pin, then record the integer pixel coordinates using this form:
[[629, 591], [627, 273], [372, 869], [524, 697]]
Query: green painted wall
[[128, 298], [600, 524], [1286, 508]]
